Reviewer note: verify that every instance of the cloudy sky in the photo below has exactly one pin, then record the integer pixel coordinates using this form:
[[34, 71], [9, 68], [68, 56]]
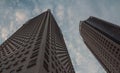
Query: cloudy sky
[[68, 13]]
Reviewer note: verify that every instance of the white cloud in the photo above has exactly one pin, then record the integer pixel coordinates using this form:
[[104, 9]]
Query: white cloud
[[37, 10], [79, 58], [70, 13], [12, 27], [20, 16], [4, 33], [60, 12]]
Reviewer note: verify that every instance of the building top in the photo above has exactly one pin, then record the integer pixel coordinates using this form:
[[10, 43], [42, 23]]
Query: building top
[[49, 10], [110, 30]]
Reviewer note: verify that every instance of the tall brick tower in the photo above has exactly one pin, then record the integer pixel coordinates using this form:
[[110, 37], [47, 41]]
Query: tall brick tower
[[103, 39], [37, 47]]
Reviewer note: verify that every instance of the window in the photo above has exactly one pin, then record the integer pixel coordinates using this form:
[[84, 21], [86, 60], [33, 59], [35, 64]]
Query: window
[[32, 63], [19, 68], [45, 65]]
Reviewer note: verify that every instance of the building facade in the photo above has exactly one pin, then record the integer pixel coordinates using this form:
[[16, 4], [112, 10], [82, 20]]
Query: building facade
[[37, 47], [103, 40]]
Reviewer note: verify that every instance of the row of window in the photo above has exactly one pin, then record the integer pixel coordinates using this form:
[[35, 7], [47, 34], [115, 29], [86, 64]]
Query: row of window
[[59, 49], [87, 33], [109, 45]]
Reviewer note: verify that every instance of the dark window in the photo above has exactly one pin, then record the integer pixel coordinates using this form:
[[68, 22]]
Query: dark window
[[32, 63], [46, 66], [19, 68]]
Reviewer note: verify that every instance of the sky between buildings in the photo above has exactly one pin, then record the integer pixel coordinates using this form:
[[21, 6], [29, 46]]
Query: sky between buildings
[[68, 13]]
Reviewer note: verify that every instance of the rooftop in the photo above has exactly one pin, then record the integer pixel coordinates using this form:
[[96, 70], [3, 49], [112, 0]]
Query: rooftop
[[110, 30]]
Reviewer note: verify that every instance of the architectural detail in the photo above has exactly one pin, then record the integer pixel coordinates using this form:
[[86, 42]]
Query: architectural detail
[[37, 47], [103, 39]]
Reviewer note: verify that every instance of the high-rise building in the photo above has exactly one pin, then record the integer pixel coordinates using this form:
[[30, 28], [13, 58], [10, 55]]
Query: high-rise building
[[103, 40], [37, 47]]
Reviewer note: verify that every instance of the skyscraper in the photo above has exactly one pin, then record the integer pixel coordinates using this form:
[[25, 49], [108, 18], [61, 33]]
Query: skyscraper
[[103, 40], [37, 47]]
